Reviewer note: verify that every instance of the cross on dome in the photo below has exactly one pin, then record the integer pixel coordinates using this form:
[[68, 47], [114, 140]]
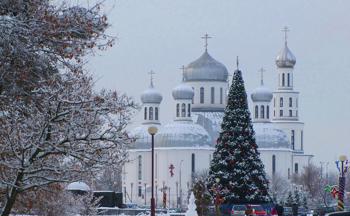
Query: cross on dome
[[285, 30], [262, 70], [206, 37], [151, 73]]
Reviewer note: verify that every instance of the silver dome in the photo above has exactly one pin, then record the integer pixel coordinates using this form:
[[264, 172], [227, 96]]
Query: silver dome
[[268, 136], [206, 68], [183, 91], [285, 58], [141, 136], [261, 94], [182, 134], [151, 95]]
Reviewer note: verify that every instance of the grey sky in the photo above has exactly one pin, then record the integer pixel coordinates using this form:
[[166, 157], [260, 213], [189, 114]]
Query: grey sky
[[162, 35]]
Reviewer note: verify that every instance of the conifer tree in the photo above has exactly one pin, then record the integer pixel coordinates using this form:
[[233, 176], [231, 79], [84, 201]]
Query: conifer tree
[[236, 172], [290, 200]]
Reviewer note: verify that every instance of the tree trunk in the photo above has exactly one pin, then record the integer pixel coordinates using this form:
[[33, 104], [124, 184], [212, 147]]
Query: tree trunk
[[11, 198]]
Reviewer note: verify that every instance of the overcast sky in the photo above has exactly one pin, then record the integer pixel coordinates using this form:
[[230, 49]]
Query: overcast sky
[[163, 35]]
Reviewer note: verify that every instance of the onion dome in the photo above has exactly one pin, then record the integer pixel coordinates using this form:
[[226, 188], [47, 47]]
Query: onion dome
[[285, 58], [141, 136], [206, 68], [261, 94], [151, 95], [183, 92], [78, 186], [182, 134], [268, 136]]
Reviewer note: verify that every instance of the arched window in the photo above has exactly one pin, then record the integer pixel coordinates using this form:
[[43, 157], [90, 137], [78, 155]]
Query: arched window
[[193, 97], [281, 113], [296, 168], [150, 115], [281, 101], [256, 111], [292, 139], [212, 95], [193, 164], [290, 113], [145, 115], [183, 110], [221, 95], [273, 164], [177, 110], [201, 93], [156, 113], [262, 111], [283, 82], [267, 111], [290, 102], [188, 110], [139, 170], [288, 80]]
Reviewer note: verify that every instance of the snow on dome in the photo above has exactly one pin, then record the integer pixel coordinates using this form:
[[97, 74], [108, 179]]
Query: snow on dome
[[285, 58], [142, 137], [268, 136], [206, 68], [182, 134], [261, 94], [183, 91], [151, 95], [78, 186]]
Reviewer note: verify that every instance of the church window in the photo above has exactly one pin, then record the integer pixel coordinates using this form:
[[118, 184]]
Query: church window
[[288, 173], [139, 191], [212, 92], [274, 113], [273, 164], [296, 113], [262, 111], [296, 168], [145, 115], [256, 111], [193, 165], [302, 140], [292, 139], [221, 95], [281, 113], [177, 110], [288, 79], [201, 99], [281, 101], [283, 82], [193, 97], [183, 110], [290, 102], [290, 113], [150, 115], [267, 111], [139, 173], [188, 110], [156, 113], [274, 102], [296, 102]]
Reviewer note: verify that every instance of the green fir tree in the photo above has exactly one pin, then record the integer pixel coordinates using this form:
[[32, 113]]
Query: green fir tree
[[236, 172], [290, 200]]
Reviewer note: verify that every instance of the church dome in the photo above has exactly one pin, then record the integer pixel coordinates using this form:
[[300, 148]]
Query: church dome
[[206, 68], [183, 91], [141, 136], [151, 95], [182, 134], [261, 94], [285, 58], [268, 136]]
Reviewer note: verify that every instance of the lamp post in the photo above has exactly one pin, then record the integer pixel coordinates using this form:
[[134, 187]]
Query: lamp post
[[152, 131], [342, 165], [180, 185]]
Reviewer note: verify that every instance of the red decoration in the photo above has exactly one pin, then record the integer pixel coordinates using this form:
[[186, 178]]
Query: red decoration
[[171, 170]]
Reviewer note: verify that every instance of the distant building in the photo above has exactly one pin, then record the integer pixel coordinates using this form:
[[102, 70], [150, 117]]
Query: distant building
[[184, 147]]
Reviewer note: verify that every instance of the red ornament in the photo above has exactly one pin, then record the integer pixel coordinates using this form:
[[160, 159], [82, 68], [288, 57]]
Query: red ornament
[[171, 170]]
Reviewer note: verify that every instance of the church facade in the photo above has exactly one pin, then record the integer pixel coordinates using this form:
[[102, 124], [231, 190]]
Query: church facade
[[184, 147]]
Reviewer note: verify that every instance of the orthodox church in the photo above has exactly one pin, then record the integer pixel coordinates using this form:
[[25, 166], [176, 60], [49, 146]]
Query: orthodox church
[[184, 147]]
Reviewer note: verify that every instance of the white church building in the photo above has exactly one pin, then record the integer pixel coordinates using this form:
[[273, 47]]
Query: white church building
[[184, 147]]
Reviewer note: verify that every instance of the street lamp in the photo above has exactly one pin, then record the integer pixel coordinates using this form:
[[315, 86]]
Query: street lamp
[[342, 166], [152, 131], [180, 184]]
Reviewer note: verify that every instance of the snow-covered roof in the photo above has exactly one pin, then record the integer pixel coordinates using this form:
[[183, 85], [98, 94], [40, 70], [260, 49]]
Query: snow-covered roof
[[210, 121], [267, 135], [78, 186], [142, 137]]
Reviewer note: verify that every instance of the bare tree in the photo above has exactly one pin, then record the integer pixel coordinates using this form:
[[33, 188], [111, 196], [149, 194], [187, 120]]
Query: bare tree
[[53, 126], [279, 187]]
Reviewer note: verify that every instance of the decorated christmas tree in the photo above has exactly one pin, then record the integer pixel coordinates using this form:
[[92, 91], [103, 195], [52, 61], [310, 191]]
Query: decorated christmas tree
[[236, 172]]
